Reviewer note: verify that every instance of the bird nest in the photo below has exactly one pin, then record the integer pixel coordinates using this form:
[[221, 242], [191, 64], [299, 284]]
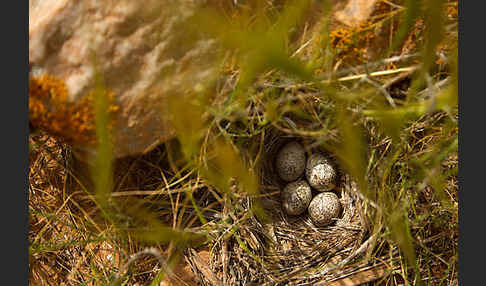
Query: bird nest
[[286, 250]]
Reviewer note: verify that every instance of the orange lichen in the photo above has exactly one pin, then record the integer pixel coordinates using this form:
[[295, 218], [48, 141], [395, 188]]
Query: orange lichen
[[352, 43], [50, 110], [452, 10], [359, 45], [391, 66]]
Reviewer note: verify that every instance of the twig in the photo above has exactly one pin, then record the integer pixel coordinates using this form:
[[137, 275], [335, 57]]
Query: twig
[[301, 48], [150, 193], [382, 90], [393, 4], [397, 79], [384, 61], [378, 73], [437, 86], [150, 251], [345, 261]]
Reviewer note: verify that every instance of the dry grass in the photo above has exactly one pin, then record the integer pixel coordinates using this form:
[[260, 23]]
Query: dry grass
[[385, 124]]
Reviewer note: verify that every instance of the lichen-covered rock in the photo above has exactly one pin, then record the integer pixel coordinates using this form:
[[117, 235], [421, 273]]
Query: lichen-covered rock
[[296, 197], [324, 208], [141, 51], [290, 161]]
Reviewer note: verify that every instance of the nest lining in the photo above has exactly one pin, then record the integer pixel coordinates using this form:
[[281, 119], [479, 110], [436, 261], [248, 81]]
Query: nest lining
[[287, 250]]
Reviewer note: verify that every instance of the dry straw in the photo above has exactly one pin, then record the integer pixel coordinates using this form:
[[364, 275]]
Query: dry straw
[[288, 249]]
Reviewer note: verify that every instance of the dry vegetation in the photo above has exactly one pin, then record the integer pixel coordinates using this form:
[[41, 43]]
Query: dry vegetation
[[204, 209]]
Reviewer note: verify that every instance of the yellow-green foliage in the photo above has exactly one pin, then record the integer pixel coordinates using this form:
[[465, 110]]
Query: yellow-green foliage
[[216, 131], [264, 47]]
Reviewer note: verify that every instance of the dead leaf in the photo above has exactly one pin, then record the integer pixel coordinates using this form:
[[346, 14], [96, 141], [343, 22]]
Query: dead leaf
[[363, 276], [183, 274], [200, 261]]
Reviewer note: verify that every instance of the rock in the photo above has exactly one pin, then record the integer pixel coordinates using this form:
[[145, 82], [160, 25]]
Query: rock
[[356, 12], [142, 51]]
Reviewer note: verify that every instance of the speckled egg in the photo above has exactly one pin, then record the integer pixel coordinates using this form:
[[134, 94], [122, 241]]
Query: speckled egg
[[296, 197], [324, 208], [320, 172], [290, 161]]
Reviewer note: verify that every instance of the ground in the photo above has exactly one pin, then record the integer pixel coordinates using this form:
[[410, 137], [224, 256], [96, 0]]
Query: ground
[[204, 209]]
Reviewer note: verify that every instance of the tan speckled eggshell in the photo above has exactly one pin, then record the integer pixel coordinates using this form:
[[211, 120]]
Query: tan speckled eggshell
[[290, 161], [324, 208], [296, 197], [320, 173]]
